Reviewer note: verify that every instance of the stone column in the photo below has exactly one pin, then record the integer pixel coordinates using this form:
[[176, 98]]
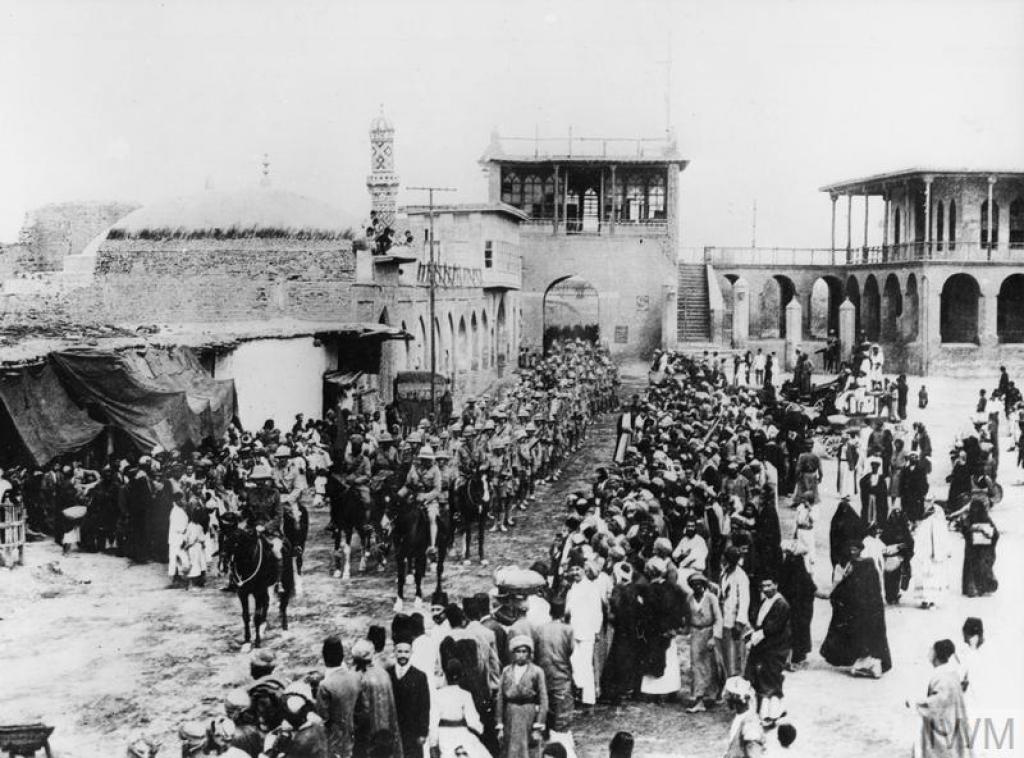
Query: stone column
[[847, 328], [794, 329], [927, 217], [988, 335], [988, 211], [834, 198], [740, 313], [615, 204], [849, 225]]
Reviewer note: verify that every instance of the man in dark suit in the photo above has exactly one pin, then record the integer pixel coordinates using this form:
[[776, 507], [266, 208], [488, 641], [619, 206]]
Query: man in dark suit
[[769, 645], [500, 633], [412, 699], [336, 699]]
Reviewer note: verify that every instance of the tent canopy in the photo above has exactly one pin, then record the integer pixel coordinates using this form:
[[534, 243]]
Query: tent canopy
[[157, 396], [47, 420]]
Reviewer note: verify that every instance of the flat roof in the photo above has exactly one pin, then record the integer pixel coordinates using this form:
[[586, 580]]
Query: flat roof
[[880, 180], [32, 346], [584, 150], [423, 210]]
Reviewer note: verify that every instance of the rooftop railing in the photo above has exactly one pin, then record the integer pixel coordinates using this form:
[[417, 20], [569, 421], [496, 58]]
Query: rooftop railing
[[872, 255]]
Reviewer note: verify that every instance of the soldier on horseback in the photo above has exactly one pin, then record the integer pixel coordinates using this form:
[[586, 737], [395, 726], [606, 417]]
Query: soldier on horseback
[[470, 463], [423, 487], [265, 513]]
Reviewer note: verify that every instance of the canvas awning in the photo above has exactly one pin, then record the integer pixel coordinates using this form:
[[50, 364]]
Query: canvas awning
[[343, 378], [157, 396], [46, 419], [366, 332]]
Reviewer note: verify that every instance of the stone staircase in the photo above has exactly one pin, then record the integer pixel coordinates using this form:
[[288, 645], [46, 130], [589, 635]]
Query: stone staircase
[[694, 313]]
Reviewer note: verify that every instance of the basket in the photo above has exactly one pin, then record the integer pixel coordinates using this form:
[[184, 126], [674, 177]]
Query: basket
[[24, 739]]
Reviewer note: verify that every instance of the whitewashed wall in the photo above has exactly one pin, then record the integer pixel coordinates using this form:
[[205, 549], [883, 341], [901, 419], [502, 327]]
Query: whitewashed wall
[[277, 378]]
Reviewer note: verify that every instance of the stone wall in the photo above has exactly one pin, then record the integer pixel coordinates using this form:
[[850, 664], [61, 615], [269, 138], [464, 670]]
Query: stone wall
[[221, 280], [627, 269], [60, 229]]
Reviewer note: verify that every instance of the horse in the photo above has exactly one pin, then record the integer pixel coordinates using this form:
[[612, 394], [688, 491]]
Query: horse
[[349, 515], [253, 569], [471, 499], [410, 531]]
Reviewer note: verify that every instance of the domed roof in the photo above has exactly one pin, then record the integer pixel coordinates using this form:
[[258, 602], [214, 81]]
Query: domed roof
[[255, 211]]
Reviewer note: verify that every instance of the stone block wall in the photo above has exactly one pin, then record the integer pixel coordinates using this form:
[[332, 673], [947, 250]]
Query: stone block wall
[[627, 270], [219, 280], [60, 229]]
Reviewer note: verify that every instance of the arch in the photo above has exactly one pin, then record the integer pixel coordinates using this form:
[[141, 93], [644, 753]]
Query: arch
[[501, 334], [775, 295], [571, 308], [1010, 309], [958, 314], [407, 349], [853, 295], [474, 336], [892, 309], [389, 358], [823, 309], [452, 348], [1017, 223], [421, 355], [486, 359], [987, 239], [462, 357], [871, 308], [911, 305]]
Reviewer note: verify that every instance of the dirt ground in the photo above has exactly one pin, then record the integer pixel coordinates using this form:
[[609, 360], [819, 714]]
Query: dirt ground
[[103, 651]]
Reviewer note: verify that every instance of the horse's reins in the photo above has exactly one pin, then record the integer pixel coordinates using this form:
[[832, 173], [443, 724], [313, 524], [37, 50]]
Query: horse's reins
[[259, 565]]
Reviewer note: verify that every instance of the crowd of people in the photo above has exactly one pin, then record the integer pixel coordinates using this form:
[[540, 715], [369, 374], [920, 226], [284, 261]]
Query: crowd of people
[[671, 579]]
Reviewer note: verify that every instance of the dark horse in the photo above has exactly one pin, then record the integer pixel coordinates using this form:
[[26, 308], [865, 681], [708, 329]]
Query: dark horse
[[410, 531], [253, 568], [472, 509], [350, 514]]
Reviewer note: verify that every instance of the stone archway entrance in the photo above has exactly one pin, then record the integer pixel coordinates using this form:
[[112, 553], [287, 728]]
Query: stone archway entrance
[[572, 309]]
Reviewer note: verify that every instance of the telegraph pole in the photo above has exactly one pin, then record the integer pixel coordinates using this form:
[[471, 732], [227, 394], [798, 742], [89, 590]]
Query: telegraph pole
[[431, 286]]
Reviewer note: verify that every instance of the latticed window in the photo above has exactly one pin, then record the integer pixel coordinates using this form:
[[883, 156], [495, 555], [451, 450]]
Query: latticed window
[[533, 194], [512, 189], [636, 191], [656, 197]]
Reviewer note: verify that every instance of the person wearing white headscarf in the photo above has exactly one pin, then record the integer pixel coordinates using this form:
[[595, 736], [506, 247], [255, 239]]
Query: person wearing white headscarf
[[933, 550], [746, 735]]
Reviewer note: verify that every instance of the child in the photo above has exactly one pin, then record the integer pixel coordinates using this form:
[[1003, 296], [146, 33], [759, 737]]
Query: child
[[922, 397]]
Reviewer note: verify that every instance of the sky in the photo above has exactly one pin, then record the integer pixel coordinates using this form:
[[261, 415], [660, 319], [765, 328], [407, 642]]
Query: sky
[[133, 100]]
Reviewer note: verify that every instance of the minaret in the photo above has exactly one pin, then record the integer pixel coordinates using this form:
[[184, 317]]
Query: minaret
[[383, 181]]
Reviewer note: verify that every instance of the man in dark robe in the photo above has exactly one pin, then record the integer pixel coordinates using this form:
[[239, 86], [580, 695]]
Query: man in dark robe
[[797, 586], [412, 698], [140, 503], [899, 550], [846, 526], [874, 494], [856, 632], [621, 676], [769, 650], [767, 537], [914, 486]]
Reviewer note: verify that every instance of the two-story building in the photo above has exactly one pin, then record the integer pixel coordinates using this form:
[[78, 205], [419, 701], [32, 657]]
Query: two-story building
[[599, 235]]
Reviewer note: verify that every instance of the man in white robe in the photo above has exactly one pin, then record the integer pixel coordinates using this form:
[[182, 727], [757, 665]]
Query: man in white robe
[[933, 550], [584, 607]]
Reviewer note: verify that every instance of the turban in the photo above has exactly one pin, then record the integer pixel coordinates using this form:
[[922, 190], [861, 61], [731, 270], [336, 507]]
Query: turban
[[520, 640]]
